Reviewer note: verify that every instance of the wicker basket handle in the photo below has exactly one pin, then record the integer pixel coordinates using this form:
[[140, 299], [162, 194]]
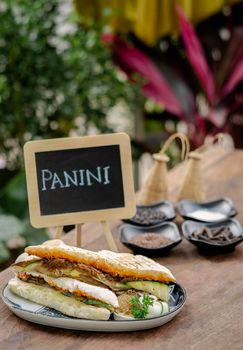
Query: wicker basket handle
[[185, 145]]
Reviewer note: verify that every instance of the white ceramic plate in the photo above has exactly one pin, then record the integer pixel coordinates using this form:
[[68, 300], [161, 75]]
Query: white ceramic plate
[[44, 315]]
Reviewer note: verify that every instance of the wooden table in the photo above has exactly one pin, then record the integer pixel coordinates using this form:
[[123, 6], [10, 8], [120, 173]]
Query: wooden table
[[213, 315]]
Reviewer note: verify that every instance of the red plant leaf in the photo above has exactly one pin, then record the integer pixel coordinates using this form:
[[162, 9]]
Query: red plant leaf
[[156, 87], [196, 55], [235, 78], [172, 67], [232, 56]]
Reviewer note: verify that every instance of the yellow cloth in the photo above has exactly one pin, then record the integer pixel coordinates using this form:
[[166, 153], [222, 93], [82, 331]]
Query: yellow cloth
[[148, 19]]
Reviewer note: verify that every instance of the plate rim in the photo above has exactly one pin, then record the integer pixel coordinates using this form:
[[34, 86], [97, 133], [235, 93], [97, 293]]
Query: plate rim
[[11, 305]]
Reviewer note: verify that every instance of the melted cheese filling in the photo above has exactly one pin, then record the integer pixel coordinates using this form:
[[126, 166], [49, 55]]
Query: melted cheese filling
[[74, 287]]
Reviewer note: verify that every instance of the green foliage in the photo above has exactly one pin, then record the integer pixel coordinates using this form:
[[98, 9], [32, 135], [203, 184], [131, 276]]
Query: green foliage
[[10, 227], [48, 79], [13, 231], [33, 236], [4, 253], [52, 84], [13, 196], [15, 227]]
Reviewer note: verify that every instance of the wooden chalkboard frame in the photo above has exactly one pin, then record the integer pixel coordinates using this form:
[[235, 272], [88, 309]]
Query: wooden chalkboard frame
[[32, 147]]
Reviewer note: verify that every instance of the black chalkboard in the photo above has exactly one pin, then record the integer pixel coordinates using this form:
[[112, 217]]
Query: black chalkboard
[[76, 180]]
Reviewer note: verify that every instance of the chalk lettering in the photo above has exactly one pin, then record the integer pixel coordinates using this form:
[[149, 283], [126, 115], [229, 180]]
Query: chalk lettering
[[81, 177], [106, 174], [70, 178], [56, 181], [90, 175], [81, 173], [46, 176]]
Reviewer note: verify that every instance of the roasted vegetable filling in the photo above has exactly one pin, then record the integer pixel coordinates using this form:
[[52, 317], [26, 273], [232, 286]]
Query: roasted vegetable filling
[[40, 281], [93, 276]]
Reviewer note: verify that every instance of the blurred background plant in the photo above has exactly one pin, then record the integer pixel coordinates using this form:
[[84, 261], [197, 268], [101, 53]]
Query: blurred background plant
[[189, 72], [57, 79], [196, 79], [56, 76]]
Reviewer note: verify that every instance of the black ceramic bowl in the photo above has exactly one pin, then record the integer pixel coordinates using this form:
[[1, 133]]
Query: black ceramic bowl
[[188, 227], [167, 230], [165, 208], [223, 206]]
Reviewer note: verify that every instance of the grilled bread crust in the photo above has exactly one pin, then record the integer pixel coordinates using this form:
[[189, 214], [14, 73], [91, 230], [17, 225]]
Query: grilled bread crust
[[78, 288], [53, 299], [116, 264], [65, 284]]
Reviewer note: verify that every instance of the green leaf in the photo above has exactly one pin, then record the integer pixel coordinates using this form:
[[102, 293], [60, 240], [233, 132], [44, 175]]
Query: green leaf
[[139, 308], [34, 236], [16, 187], [14, 196], [10, 226], [4, 253], [5, 177]]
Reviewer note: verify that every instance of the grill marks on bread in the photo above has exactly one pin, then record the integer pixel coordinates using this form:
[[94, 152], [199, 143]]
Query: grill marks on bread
[[115, 264]]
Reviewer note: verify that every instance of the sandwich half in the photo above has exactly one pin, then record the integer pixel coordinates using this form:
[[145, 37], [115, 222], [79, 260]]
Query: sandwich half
[[130, 277], [79, 303]]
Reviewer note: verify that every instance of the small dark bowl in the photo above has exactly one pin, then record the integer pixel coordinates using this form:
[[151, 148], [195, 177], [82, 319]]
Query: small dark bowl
[[164, 207], [167, 230], [223, 206], [188, 227]]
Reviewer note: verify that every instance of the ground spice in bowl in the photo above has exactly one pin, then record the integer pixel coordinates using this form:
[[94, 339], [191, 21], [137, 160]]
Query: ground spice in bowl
[[148, 216], [150, 240]]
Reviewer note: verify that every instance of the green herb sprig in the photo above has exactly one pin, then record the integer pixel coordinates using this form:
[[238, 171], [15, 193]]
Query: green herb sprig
[[139, 308]]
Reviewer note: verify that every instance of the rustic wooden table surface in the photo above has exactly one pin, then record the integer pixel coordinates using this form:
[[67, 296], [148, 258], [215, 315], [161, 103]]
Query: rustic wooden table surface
[[213, 315]]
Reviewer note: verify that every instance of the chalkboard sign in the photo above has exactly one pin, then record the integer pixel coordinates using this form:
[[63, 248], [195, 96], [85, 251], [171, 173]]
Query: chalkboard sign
[[78, 180]]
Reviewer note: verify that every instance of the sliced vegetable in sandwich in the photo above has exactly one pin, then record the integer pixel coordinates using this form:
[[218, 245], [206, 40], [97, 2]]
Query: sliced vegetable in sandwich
[[78, 303], [122, 273]]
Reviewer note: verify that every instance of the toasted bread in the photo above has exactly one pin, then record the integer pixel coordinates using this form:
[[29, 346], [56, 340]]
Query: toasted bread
[[53, 299], [76, 287], [116, 264]]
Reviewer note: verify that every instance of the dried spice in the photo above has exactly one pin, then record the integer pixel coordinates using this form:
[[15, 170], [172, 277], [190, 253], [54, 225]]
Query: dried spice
[[150, 240], [148, 216], [220, 234]]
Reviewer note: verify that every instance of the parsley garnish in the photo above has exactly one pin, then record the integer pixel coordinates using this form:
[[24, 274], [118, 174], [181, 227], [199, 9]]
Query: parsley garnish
[[139, 308]]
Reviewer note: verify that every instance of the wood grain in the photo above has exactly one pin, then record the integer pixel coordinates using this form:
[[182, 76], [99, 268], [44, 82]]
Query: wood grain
[[213, 315]]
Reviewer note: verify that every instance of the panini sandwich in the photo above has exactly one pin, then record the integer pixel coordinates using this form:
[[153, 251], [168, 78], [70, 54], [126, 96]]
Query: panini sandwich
[[114, 282]]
